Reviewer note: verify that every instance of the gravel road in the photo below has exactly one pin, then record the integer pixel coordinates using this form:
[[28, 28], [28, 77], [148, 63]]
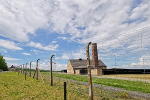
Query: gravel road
[[131, 79], [132, 94]]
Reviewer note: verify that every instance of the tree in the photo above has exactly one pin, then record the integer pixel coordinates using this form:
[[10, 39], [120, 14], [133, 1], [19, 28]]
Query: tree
[[3, 64]]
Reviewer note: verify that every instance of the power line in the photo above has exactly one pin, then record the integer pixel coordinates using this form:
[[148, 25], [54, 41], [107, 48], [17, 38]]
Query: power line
[[122, 43], [127, 33], [128, 49], [125, 54]]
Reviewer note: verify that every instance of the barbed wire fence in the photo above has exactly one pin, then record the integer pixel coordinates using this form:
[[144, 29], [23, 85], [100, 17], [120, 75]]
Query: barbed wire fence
[[125, 53], [100, 92], [130, 53]]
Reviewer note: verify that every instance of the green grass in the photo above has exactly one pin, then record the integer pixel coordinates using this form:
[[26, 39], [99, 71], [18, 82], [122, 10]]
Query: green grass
[[15, 87], [125, 84]]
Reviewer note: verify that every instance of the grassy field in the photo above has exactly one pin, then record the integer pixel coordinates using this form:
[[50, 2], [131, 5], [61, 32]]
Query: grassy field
[[15, 87], [125, 84], [135, 76]]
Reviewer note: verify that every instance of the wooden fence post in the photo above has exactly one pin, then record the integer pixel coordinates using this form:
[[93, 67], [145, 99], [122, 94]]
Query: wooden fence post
[[101, 89], [34, 73], [40, 75], [37, 69], [23, 68], [25, 75], [89, 73], [65, 91], [30, 68], [37, 74]]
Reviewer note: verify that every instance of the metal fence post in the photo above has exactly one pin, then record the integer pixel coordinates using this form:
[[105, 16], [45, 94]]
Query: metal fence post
[[65, 91], [51, 70]]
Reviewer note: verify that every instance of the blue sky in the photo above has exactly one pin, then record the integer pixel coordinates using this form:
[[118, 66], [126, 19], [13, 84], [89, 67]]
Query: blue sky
[[32, 29]]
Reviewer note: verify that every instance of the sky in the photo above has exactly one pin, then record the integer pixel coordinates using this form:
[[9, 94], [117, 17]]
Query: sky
[[37, 29]]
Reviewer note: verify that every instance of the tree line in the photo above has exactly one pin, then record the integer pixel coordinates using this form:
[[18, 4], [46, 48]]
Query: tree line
[[3, 64]]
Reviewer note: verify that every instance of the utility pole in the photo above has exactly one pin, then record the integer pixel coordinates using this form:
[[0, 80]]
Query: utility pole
[[89, 72], [51, 70]]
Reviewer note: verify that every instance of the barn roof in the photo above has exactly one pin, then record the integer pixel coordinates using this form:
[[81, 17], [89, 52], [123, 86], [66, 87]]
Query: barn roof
[[77, 63], [12, 66]]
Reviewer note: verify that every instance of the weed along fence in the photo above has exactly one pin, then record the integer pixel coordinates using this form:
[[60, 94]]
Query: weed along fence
[[100, 92]]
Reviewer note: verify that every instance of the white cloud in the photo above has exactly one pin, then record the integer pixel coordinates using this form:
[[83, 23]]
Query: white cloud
[[36, 51], [9, 64], [26, 53], [48, 47], [46, 66], [60, 67], [56, 57], [74, 55], [102, 19], [20, 18], [65, 56], [79, 54], [10, 59], [143, 61], [84, 20], [9, 45], [80, 21], [4, 50], [64, 38], [54, 41], [140, 11]]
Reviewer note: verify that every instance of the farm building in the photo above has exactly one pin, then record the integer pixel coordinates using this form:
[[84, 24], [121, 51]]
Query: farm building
[[64, 71], [12, 68], [79, 66]]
